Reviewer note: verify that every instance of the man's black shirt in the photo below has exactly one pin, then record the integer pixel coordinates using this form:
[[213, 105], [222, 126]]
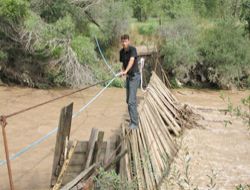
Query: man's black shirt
[[125, 56]]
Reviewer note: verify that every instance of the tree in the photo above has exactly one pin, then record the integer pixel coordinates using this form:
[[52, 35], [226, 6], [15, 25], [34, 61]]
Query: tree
[[245, 14]]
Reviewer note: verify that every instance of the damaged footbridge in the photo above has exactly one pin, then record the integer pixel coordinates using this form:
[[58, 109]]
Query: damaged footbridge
[[140, 156]]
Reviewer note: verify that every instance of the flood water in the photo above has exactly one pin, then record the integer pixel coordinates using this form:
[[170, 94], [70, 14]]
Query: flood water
[[225, 149]]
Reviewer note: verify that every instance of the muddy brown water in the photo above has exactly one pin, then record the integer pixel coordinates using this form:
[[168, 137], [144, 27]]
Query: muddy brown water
[[224, 149]]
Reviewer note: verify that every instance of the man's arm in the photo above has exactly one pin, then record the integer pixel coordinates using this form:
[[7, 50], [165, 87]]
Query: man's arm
[[130, 64]]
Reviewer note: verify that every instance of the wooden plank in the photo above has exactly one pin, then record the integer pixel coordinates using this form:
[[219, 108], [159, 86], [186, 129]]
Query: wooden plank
[[91, 146], [98, 147], [155, 116], [122, 161], [107, 153], [126, 157], [79, 159], [102, 153], [151, 160], [80, 177], [163, 146], [63, 133], [64, 167], [144, 154], [118, 147], [82, 147], [110, 150], [138, 161], [112, 162], [165, 112], [152, 146]]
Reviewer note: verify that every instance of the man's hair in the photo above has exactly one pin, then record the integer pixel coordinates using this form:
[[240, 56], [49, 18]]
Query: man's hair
[[125, 37]]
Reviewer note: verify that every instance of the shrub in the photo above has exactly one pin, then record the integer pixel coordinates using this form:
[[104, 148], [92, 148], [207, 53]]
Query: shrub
[[226, 53], [148, 28], [179, 48], [13, 10], [84, 49], [112, 26], [3, 56], [112, 181]]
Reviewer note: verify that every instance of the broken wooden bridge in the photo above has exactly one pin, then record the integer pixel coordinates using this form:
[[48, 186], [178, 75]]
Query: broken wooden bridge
[[141, 156]]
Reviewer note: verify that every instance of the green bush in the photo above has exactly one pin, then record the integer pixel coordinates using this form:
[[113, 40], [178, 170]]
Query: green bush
[[179, 47], [85, 49], [3, 57], [245, 14], [13, 10], [113, 26], [112, 181], [65, 27], [148, 28], [216, 55], [226, 53], [51, 11]]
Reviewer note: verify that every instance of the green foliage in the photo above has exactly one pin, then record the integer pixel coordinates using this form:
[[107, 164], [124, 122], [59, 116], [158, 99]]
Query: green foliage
[[241, 111], [56, 52], [215, 8], [148, 28], [110, 180], [245, 13], [54, 10], [107, 27], [3, 56], [141, 9], [180, 47], [13, 10], [226, 52], [192, 33], [218, 52], [242, 187], [177, 8], [32, 22], [64, 26], [114, 26], [84, 49]]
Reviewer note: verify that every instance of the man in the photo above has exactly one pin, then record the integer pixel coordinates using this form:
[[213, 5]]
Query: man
[[130, 69]]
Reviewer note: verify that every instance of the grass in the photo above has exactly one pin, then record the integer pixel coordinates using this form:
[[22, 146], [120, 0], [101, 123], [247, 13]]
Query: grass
[[142, 33]]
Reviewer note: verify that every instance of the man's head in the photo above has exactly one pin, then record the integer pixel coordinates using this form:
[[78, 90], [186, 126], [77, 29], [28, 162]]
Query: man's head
[[125, 41]]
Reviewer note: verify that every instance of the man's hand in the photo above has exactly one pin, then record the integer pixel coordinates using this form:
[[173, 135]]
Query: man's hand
[[123, 73]]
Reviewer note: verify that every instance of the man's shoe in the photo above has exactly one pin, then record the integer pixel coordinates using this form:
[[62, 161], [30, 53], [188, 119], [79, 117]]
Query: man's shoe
[[133, 126]]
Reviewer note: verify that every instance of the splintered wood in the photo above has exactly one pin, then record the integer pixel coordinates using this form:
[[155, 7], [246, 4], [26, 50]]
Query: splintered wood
[[151, 147], [141, 156]]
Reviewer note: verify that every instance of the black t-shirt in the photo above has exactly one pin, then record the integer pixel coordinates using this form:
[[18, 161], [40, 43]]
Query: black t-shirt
[[125, 56]]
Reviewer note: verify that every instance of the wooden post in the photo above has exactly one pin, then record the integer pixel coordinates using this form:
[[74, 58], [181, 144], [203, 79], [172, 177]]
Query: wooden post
[[91, 146], [3, 124], [65, 166], [63, 133]]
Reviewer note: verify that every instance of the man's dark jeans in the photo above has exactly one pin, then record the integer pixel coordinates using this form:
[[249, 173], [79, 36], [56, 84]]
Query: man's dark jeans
[[132, 83]]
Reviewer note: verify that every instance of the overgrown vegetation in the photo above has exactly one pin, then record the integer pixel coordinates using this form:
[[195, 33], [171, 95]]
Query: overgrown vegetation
[[51, 43], [210, 48], [112, 181]]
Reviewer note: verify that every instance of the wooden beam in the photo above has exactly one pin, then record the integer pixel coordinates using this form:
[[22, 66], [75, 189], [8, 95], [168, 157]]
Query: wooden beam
[[65, 167], [63, 133], [91, 146], [98, 147], [80, 177]]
